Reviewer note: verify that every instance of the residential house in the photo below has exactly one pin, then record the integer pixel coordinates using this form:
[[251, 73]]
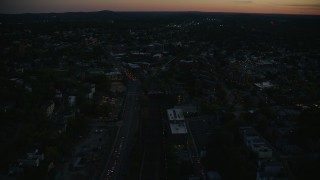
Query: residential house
[[114, 75], [269, 169], [213, 175], [31, 159], [28, 88], [90, 90], [71, 101], [5, 107], [48, 107]]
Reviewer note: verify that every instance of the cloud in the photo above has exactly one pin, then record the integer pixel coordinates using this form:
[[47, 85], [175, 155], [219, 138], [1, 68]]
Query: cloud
[[306, 6], [243, 2]]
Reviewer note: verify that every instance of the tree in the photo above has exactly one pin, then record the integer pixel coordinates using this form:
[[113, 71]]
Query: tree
[[51, 153], [309, 126]]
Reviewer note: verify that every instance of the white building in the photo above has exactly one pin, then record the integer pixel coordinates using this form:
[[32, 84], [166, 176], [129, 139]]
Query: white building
[[72, 100], [269, 169], [264, 85], [177, 125], [49, 108], [256, 143], [175, 115], [31, 159]]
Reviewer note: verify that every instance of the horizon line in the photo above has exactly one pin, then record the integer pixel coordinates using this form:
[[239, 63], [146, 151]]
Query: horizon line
[[146, 11]]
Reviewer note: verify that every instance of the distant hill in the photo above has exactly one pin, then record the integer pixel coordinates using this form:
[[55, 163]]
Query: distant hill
[[52, 17], [105, 15], [89, 16]]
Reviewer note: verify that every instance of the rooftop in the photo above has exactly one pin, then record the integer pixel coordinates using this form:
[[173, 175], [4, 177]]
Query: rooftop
[[188, 108], [178, 128], [175, 114], [263, 85]]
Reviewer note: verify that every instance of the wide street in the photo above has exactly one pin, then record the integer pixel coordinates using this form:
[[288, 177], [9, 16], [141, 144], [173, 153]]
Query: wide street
[[150, 168], [117, 162]]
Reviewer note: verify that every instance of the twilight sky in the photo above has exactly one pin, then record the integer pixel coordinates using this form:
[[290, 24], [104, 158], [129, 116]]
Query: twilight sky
[[251, 6]]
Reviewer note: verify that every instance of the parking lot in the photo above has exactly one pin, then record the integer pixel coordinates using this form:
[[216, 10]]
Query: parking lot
[[90, 153]]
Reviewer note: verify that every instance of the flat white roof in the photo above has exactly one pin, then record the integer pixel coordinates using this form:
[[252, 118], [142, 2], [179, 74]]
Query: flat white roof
[[264, 85], [133, 65], [113, 73], [175, 114], [178, 128]]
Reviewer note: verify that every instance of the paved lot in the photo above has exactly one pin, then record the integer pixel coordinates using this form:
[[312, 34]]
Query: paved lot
[[89, 152]]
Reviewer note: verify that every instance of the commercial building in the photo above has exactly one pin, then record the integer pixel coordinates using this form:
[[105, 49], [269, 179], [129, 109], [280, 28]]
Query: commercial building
[[177, 126], [255, 142]]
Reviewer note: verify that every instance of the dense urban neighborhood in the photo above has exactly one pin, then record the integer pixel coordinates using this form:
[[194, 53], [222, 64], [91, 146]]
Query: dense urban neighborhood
[[152, 96]]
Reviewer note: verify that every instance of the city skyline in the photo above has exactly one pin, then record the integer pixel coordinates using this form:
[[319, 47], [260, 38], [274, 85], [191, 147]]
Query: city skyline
[[242, 6]]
